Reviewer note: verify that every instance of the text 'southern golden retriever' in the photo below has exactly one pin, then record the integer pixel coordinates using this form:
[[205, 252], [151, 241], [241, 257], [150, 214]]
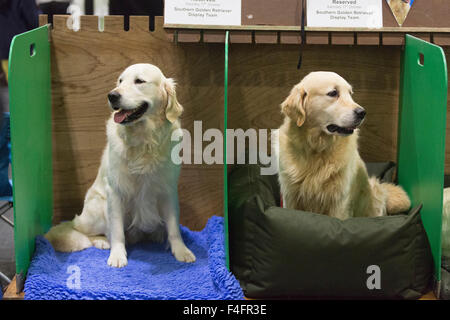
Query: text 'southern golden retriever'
[[320, 167]]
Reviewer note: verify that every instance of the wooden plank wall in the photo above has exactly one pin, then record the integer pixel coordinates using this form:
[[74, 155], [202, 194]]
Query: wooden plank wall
[[85, 65], [423, 13]]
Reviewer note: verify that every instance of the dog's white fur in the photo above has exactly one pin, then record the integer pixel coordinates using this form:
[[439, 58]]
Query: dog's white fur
[[321, 171], [134, 195]]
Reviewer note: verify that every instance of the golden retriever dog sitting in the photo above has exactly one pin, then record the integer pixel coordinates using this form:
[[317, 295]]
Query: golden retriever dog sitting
[[134, 195], [320, 167]]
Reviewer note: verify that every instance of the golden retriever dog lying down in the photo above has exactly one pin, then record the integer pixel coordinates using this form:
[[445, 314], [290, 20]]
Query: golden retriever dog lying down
[[320, 167], [400, 8], [134, 195]]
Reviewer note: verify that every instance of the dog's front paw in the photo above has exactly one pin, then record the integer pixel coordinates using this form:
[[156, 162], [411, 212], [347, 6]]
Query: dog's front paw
[[183, 254], [118, 257], [100, 242]]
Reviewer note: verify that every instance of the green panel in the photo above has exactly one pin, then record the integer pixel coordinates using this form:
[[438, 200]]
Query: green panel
[[225, 166], [422, 128], [31, 140]]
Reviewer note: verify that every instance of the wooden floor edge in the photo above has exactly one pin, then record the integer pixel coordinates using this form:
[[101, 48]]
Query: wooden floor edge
[[11, 294], [428, 296]]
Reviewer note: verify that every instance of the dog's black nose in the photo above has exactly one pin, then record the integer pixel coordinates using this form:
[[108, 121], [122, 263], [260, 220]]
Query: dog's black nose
[[360, 113], [113, 96]]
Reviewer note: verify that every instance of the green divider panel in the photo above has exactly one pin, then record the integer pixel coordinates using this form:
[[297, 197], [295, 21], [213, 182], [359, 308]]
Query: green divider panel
[[225, 171], [422, 129], [31, 141]]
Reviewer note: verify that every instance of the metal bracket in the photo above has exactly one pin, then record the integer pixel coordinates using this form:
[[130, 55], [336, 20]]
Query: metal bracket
[[437, 288], [20, 282], [8, 206]]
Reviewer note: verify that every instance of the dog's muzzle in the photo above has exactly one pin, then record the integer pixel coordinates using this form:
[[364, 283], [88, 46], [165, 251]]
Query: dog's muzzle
[[359, 115], [124, 116], [114, 98]]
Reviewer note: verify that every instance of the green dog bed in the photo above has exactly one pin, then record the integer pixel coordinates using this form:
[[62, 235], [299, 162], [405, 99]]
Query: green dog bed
[[283, 253]]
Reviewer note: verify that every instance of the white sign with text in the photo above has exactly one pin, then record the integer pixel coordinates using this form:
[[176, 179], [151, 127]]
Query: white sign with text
[[203, 12], [345, 13]]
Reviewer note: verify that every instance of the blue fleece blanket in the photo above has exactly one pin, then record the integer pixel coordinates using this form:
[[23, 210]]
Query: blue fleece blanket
[[152, 271]]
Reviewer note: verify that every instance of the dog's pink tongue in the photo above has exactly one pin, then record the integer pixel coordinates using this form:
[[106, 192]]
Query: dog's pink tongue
[[120, 116]]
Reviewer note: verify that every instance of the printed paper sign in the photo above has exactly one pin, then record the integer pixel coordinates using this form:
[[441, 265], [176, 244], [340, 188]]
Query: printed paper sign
[[345, 13], [203, 12]]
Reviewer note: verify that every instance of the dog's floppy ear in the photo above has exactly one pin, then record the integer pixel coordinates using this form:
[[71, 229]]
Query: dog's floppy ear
[[293, 105], [173, 109]]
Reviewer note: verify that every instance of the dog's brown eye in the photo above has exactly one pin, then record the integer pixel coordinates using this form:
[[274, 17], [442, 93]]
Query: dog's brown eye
[[120, 81], [332, 93], [139, 81]]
